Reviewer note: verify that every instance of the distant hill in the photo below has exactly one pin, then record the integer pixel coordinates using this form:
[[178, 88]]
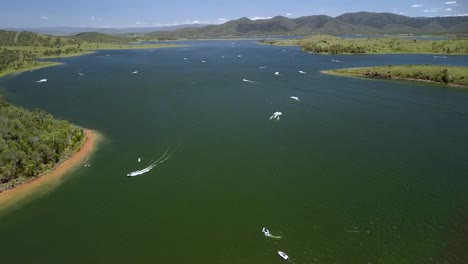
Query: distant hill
[[69, 31], [100, 38], [349, 23], [12, 38]]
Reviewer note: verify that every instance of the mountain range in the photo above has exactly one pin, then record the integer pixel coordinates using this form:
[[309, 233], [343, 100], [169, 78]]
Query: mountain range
[[350, 23], [68, 31], [366, 23]]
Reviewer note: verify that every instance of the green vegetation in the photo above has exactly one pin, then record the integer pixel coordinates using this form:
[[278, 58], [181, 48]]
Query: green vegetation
[[95, 37], [448, 75], [19, 50], [335, 45], [32, 143]]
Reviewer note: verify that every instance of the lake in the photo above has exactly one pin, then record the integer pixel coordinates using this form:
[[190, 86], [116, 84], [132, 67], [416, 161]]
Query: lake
[[357, 171]]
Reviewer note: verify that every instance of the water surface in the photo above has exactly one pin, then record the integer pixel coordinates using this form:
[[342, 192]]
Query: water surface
[[358, 171]]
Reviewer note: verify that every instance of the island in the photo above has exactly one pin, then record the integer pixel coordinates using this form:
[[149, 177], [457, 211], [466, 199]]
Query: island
[[447, 75]]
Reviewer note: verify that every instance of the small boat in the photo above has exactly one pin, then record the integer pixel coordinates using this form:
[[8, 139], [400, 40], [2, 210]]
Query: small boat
[[265, 231], [283, 255], [139, 159], [42, 80], [277, 73], [134, 72]]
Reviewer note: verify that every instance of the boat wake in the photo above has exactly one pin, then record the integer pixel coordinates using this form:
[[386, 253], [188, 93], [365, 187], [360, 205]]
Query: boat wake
[[160, 160], [267, 233]]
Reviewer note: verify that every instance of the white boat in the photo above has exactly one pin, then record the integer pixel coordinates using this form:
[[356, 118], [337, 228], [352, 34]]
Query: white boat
[[42, 80], [283, 255], [265, 231], [139, 159], [134, 72], [277, 73]]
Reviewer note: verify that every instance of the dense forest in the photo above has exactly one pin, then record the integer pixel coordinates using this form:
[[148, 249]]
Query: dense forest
[[32, 143]]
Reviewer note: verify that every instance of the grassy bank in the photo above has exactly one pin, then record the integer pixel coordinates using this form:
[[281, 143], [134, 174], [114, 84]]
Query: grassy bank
[[446, 75], [385, 45]]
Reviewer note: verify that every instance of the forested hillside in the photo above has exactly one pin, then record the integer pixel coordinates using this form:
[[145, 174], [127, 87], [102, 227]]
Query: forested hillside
[[32, 143], [13, 38]]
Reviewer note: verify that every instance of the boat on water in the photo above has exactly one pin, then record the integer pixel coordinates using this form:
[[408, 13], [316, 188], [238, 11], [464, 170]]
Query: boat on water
[[265, 231], [283, 255]]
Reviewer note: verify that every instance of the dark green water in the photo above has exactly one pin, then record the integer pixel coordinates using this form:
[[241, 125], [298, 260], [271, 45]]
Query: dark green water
[[359, 171]]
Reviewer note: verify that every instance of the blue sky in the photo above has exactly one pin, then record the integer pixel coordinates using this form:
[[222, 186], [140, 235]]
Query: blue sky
[[150, 13]]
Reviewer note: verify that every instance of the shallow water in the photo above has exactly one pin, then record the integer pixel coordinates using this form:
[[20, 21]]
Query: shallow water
[[358, 171]]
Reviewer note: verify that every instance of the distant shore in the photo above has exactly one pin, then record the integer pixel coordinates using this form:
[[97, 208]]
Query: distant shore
[[89, 49], [55, 177], [454, 76]]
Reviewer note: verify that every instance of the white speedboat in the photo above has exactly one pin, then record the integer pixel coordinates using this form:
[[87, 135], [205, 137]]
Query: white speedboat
[[265, 231], [42, 80], [283, 255]]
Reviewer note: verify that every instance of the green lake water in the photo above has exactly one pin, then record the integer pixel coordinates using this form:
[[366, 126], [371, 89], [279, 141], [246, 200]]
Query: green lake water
[[358, 171]]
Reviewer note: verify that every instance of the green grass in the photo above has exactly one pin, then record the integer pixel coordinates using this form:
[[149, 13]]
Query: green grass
[[448, 75], [334, 45]]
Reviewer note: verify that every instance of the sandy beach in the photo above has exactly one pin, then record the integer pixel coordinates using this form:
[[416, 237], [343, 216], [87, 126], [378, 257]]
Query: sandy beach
[[52, 179]]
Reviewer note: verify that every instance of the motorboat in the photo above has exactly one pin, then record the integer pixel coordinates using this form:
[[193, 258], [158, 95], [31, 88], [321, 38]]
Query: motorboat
[[283, 255], [265, 231]]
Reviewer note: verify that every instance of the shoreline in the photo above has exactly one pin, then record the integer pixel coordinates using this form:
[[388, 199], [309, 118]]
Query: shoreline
[[49, 180], [45, 64], [41, 64]]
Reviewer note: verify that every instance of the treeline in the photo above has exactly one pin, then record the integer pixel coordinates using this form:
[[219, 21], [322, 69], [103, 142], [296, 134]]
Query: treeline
[[13, 38], [441, 76], [332, 48], [336, 45], [449, 75], [32, 143], [15, 59]]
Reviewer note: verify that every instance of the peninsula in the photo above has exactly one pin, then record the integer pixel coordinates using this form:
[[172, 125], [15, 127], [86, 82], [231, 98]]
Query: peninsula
[[446, 75]]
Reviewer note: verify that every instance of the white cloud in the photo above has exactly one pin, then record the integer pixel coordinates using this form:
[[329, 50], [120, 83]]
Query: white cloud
[[140, 23], [92, 18], [401, 13], [44, 17], [430, 10], [259, 17], [448, 9], [222, 20], [462, 14], [416, 5], [288, 14], [450, 2], [195, 22]]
